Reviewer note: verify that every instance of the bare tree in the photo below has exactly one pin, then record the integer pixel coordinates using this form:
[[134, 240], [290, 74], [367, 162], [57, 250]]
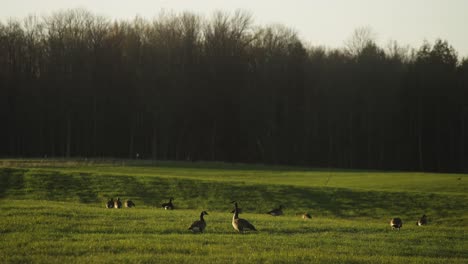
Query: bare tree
[[360, 38]]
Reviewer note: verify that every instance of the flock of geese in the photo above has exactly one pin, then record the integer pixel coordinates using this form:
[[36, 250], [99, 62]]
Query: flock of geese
[[396, 223], [111, 203], [240, 224]]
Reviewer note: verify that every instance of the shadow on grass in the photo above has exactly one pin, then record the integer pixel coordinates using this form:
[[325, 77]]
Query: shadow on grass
[[57, 186], [11, 180], [191, 194]]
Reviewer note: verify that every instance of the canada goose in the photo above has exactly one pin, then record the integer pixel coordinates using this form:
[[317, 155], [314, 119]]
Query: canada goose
[[396, 223], [129, 204], [277, 211], [199, 225], [422, 221], [169, 205], [240, 224], [306, 216], [117, 203], [110, 203]]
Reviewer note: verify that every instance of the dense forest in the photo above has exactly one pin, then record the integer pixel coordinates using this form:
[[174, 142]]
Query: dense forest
[[185, 87]]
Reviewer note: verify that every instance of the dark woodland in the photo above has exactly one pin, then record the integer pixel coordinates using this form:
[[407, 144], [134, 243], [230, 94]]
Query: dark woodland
[[184, 87]]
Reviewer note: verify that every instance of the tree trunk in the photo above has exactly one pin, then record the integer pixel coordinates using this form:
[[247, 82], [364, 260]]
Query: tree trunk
[[131, 145], [438, 140], [68, 143], [351, 140], [154, 145], [94, 140], [421, 161], [462, 142], [213, 141], [261, 149]]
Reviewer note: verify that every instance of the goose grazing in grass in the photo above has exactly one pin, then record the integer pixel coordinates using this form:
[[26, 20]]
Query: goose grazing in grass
[[240, 224], [306, 216], [396, 223], [129, 204], [117, 203], [169, 205], [277, 211], [199, 225], [422, 221], [110, 203]]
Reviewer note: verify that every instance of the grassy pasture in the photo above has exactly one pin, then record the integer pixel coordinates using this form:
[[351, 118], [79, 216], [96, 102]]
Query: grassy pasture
[[53, 211]]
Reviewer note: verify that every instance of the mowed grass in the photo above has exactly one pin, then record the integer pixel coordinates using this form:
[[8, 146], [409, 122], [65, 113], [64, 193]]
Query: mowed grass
[[371, 180], [53, 212]]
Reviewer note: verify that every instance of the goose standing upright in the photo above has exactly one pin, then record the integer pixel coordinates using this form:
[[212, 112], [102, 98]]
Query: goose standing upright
[[240, 224], [199, 225]]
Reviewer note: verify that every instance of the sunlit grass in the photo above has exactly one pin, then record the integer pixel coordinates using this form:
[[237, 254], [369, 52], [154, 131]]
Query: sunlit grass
[[55, 214], [45, 231]]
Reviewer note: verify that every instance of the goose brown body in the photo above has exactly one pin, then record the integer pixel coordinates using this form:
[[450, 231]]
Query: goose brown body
[[168, 205], [240, 224], [277, 211], [306, 216], [110, 203], [396, 223], [117, 204], [199, 225], [129, 204], [422, 221]]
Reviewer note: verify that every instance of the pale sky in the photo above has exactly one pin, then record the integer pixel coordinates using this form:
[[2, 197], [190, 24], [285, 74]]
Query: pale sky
[[318, 22]]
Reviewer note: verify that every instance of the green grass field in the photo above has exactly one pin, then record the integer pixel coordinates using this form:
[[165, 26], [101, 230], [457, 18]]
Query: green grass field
[[52, 211]]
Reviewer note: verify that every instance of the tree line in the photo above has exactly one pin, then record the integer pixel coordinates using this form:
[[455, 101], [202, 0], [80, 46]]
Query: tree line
[[184, 87]]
